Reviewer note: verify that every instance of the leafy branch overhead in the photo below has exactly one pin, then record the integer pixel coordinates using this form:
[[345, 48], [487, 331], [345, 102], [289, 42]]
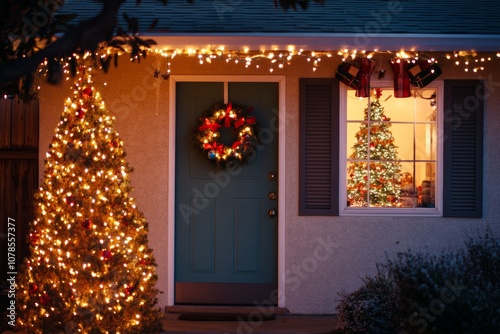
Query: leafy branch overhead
[[33, 33]]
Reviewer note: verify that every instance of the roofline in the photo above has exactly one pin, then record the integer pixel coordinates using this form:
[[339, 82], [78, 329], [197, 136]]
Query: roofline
[[328, 41]]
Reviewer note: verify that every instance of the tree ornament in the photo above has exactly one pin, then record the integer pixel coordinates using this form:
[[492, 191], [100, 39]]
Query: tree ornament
[[87, 224], [34, 238], [206, 137], [87, 92], [80, 113], [129, 289], [45, 299], [212, 155], [106, 254], [33, 288], [70, 200]]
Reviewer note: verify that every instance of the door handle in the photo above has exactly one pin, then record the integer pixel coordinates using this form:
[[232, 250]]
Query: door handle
[[272, 212]]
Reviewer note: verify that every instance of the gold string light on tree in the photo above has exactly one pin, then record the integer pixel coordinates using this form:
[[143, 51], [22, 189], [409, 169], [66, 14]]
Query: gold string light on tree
[[90, 269]]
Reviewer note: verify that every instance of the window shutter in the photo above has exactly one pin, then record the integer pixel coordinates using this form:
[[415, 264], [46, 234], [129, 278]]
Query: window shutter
[[319, 147], [463, 148]]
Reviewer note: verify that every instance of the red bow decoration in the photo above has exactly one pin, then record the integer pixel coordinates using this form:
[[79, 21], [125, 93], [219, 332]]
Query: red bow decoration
[[227, 121], [241, 121], [209, 125], [236, 144], [218, 148]]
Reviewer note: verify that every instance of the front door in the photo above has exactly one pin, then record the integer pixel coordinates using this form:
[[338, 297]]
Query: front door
[[225, 231]]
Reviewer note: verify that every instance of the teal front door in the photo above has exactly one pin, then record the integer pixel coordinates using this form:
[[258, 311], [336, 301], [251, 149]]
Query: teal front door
[[225, 231]]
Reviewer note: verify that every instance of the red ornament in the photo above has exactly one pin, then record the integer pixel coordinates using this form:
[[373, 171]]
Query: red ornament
[[80, 113], [106, 254], [127, 221], [87, 224], [378, 93], [87, 92], [33, 288], [129, 289], [115, 143], [70, 200], [45, 299], [34, 237]]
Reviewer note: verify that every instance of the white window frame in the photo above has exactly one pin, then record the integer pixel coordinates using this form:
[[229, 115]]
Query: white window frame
[[344, 210]]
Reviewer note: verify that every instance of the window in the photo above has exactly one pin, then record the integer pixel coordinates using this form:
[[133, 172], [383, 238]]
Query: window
[[429, 159], [390, 155]]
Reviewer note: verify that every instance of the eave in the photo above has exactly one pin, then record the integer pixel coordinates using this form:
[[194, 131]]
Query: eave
[[328, 41]]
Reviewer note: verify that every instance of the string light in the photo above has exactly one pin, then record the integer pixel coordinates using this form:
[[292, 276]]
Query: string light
[[276, 59]]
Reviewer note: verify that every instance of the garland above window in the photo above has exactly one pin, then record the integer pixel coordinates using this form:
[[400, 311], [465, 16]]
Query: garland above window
[[240, 122]]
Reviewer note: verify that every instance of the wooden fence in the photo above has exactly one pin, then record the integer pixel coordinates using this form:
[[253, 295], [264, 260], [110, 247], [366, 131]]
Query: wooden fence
[[18, 174]]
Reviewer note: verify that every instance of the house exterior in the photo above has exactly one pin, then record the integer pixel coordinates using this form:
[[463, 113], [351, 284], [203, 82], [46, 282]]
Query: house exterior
[[282, 230]]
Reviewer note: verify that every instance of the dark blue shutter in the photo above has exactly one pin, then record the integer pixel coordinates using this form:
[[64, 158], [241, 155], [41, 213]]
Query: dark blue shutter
[[463, 148], [319, 147]]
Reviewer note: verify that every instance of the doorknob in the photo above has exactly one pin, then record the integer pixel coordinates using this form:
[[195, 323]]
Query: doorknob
[[272, 212]]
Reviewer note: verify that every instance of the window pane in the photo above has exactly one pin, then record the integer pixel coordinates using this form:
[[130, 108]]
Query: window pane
[[376, 184], [357, 185], [356, 142], [408, 194], [425, 176], [425, 136], [398, 110], [355, 106], [425, 106], [403, 134]]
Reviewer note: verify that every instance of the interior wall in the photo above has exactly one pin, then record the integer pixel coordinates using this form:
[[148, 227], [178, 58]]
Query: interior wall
[[324, 255]]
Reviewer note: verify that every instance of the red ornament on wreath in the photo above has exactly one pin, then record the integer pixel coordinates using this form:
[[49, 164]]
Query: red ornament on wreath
[[243, 125]]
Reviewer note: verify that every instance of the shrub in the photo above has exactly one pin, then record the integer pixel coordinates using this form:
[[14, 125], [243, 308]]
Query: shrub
[[454, 292], [368, 309]]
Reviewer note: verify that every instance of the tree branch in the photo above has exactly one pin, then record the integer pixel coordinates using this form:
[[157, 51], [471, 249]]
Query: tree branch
[[86, 36]]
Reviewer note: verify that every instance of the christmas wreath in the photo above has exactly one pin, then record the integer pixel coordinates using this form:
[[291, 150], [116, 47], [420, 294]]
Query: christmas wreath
[[243, 125]]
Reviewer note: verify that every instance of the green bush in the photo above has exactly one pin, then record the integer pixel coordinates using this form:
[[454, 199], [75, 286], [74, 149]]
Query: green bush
[[454, 292]]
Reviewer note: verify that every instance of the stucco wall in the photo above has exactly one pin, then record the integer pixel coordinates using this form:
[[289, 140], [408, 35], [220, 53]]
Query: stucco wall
[[324, 255]]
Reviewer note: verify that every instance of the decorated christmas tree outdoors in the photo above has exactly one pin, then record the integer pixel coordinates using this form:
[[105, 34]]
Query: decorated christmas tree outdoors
[[90, 269], [374, 180]]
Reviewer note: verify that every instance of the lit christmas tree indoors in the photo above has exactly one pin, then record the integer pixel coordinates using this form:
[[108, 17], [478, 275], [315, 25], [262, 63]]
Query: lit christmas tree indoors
[[90, 269], [374, 178]]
